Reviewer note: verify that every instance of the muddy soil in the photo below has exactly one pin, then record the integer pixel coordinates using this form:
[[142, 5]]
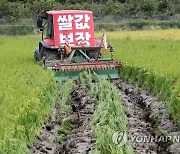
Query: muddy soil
[[147, 116], [80, 140], [47, 142]]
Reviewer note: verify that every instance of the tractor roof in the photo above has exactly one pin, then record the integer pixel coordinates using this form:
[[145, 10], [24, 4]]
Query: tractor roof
[[67, 12]]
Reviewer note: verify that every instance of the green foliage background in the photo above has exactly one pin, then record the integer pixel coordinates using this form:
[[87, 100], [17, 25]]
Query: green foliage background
[[13, 10]]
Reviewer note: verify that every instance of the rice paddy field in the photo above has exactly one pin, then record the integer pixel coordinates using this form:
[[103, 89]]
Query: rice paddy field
[[27, 92], [157, 52]]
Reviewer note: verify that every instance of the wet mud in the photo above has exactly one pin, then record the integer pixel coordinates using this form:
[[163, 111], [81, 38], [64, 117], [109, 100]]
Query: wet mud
[[147, 116], [47, 141], [80, 140]]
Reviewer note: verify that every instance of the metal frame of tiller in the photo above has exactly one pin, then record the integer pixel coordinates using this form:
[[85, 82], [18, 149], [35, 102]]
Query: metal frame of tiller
[[65, 68]]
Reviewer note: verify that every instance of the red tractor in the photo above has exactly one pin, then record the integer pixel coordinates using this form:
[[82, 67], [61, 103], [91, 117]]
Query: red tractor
[[70, 46]]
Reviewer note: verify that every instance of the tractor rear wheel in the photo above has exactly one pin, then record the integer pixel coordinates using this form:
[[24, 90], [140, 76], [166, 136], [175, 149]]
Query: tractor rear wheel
[[37, 55], [49, 54]]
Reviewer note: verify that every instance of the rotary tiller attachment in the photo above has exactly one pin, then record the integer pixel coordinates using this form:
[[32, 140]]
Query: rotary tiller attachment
[[105, 70]]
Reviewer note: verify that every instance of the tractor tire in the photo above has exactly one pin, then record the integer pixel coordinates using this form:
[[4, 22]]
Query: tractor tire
[[37, 55]]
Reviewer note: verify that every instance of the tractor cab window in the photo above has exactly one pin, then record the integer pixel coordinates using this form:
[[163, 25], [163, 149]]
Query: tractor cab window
[[50, 29]]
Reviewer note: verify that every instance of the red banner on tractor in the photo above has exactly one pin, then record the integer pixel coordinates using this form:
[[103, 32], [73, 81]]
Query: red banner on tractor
[[76, 26]]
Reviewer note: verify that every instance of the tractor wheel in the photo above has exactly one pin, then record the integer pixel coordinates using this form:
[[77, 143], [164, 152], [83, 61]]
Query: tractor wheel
[[37, 55]]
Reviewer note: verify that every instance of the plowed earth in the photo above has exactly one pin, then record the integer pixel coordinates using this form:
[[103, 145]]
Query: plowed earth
[[80, 140], [146, 115]]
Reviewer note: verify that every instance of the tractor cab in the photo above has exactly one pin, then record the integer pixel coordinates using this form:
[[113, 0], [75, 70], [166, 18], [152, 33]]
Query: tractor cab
[[70, 46]]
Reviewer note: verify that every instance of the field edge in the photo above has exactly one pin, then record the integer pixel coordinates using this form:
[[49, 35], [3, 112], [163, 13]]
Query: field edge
[[163, 87]]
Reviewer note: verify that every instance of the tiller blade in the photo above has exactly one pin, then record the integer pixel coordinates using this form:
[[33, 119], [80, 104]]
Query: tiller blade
[[106, 70]]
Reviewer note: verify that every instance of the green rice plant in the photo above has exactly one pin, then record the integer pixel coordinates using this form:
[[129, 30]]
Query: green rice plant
[[134, 75], [150, 83], [166, 88], [65, 127], [141, 77], [85, 79], [62, 137], [64, 101], [158, 83], [125, 72], [174, 106], [67, 122], [27, 94]]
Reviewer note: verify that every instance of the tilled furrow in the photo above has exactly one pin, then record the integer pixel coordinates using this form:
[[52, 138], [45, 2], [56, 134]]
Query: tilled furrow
[[81, 139], [147, 115]]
